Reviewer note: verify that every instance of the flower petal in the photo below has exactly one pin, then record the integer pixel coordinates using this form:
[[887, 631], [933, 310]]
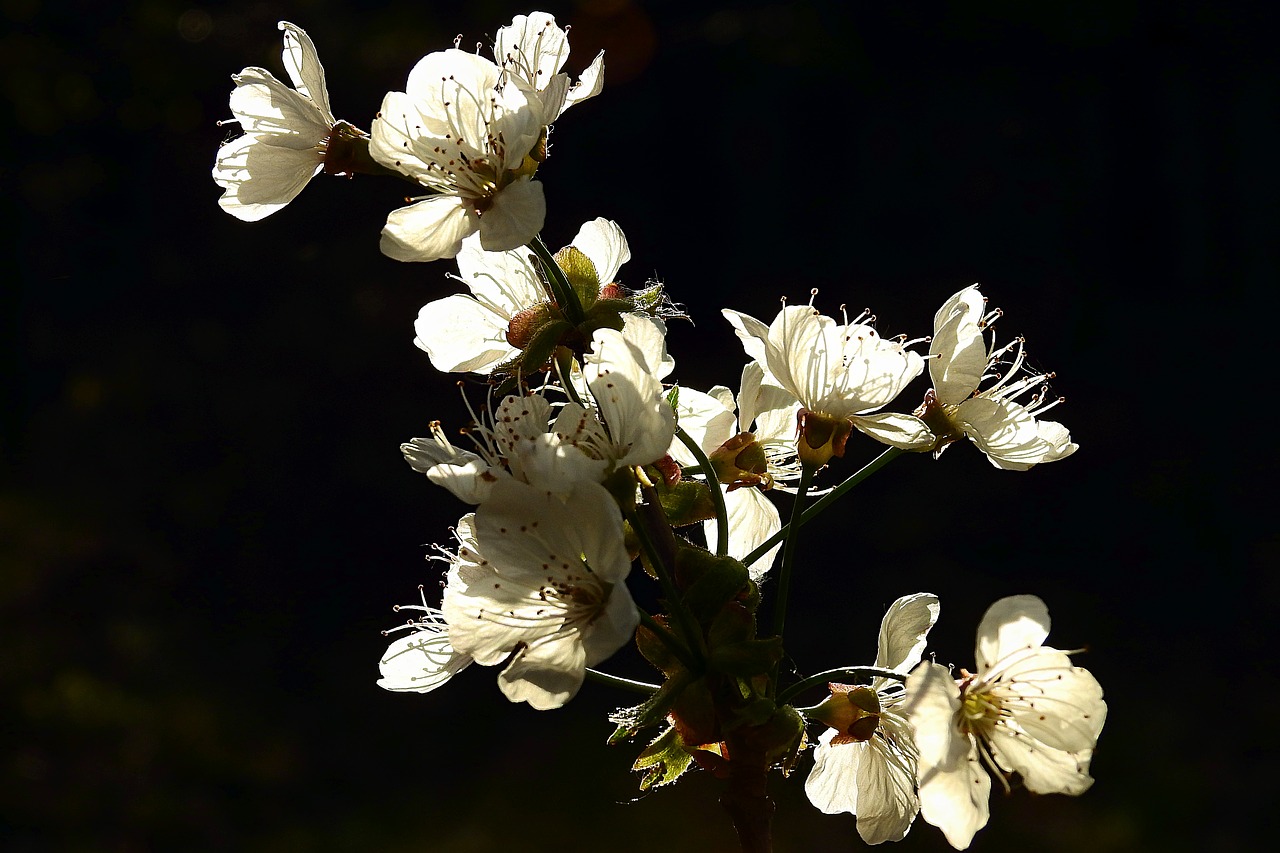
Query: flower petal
[[958, 349], [261, 176], [515, 218], [904, 631], [460, 335], [1014, 624], [420, 662], [303, 64], [429, 229], [753, 518]]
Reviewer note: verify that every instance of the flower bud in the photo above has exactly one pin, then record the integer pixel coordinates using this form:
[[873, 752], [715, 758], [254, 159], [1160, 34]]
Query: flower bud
[[852, 710]]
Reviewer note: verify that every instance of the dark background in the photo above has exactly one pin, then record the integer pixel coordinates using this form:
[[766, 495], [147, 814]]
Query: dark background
[[204, 516]]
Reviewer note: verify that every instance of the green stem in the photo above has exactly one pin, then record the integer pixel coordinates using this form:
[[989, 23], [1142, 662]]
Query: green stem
[[783, 584], [562, 291], [713, 485], [825, 501], [620, 682], [691, 655], [844, 671]]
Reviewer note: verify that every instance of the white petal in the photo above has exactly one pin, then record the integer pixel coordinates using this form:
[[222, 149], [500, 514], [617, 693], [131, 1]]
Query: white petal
[[707, 420], [630, 399], [590, 83], [260, 177], [1058, 438], [546, 674], [904, 631], [1012, 625], [603, 242], [461, 335], [832, 785], [954, 788], [428, 230], [753, 518], [303, 64], [420, 662], [262, 104], [515, 218], [1056, 703], [887, 803], [958, 348], [1005, 431], [765, 409], [534, 43], [1043, 770], [896, 430], [505, 282]]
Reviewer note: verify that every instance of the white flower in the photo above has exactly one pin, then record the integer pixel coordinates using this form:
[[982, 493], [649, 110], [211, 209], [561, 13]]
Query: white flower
[[1027, 710], [472, 333], [1008, 432], [421, 660], [520, 440], [286, 132], [542, 590], [868, 767], [532, 51], [769, 414], [464, 136], [838, 370]]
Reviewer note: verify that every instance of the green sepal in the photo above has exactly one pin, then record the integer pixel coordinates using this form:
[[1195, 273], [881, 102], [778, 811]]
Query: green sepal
[[581, 273], [607, 314], [687, 502], [655, 651], [650, 712], [746, 658], [543, 343], [664, 760], [694, 714], [709, 582]]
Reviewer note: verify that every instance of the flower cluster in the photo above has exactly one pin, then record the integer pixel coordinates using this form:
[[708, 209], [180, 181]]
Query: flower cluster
[[586, 460]]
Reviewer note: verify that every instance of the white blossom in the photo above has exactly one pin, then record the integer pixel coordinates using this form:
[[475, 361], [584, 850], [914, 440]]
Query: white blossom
[[1026, 710], [521, 440], [471, 332], [839, 370], [532, 50], [1009, 432], [869, 767], [286, 132], [541, 589], [465, 137]]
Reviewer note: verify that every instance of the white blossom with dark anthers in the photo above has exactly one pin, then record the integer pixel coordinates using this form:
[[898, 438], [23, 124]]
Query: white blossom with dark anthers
[[286, 132], [1009, 432], [768, 412], [871, 771], [840, 370], [470, 332], [532, 50], [464, 135], [542, 589], [521, 439], [421, 660], [1027, 710]]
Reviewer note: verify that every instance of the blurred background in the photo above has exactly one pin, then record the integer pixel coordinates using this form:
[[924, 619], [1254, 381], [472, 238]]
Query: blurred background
[[205, 518]]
